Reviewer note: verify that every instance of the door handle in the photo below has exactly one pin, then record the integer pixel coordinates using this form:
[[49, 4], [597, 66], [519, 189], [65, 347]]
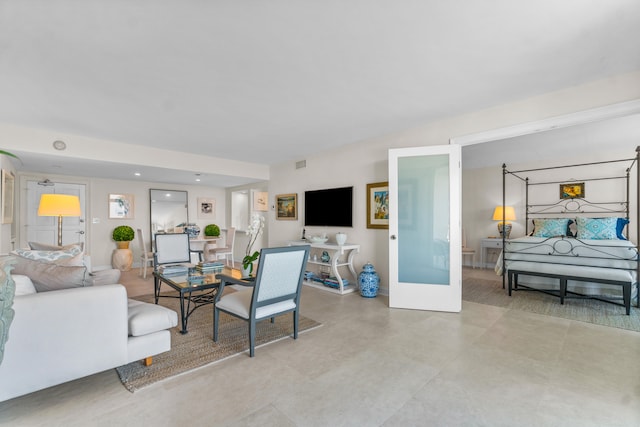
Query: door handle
[[80, 232], [393, 237]]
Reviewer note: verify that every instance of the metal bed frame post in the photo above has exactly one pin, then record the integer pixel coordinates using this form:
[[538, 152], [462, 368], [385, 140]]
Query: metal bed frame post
[[637, 164], [504, 214]]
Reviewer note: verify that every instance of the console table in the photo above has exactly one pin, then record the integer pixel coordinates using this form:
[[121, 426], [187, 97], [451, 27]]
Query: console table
[[341, 256], [486, 245]]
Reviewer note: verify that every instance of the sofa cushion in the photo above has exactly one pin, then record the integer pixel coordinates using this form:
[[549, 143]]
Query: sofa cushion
[[70, 256], [51, 277], [145, 318], [105, 277], [24, 285]]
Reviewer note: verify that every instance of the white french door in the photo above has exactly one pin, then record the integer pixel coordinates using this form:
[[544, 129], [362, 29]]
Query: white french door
[[425, 270]]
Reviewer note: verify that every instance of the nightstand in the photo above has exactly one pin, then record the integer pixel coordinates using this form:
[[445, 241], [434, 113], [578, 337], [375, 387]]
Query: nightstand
[[486, 245]]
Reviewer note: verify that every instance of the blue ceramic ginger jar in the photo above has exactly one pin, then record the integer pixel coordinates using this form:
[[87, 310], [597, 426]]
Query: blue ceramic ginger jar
[[369, 281]]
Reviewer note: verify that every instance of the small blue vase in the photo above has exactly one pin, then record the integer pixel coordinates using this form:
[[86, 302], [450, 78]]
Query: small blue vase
[[369, 281]]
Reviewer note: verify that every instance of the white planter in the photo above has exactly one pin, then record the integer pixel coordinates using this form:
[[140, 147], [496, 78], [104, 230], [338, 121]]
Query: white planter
[[341, 238]]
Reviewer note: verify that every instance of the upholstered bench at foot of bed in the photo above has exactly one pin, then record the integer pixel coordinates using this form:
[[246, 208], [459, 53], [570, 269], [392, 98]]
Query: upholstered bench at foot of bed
[[623, 278]]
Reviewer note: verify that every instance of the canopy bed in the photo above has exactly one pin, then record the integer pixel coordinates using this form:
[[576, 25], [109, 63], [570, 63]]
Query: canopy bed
[[577, 246]]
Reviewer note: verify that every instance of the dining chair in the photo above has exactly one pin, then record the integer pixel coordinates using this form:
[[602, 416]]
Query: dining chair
[[225, 252], [275, 290], [466, 251], [146, 256]]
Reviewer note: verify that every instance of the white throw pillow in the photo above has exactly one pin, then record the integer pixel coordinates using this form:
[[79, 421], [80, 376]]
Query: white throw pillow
[[24, 285]]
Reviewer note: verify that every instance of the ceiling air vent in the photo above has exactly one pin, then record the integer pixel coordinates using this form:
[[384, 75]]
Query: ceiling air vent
[[301, 164]]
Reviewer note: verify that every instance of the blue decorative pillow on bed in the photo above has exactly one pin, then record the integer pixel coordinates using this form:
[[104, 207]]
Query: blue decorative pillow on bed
[[550, 227], [597, 228], [622, 223]]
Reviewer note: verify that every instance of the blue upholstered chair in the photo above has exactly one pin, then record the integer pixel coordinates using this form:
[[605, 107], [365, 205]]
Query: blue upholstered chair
[[275, 290]]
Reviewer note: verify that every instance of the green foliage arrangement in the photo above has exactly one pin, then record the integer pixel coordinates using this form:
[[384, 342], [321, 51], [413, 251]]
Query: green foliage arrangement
[[123, 233], [212, 230]]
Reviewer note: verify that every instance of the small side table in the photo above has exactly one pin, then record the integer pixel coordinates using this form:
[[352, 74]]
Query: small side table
[[487, 245]]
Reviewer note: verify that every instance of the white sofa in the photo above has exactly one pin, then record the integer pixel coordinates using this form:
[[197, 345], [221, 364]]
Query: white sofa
[[62, 335]]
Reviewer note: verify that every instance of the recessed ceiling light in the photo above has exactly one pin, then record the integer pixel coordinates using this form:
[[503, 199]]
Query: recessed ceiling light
[[197, 179], [59, 145], [136, 173]]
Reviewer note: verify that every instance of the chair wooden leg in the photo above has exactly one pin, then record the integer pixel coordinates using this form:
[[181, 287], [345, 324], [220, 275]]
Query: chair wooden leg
[[147, 361]]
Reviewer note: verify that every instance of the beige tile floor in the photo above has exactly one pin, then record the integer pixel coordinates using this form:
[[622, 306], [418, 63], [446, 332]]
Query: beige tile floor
[[372, 366]]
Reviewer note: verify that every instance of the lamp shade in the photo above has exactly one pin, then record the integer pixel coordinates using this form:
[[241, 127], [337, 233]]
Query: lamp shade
[[509, 213], [59, 205]]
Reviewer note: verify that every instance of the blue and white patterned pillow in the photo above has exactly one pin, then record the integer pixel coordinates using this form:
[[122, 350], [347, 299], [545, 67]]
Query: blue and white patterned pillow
[[597, 228], [71, 256], [550, 227]]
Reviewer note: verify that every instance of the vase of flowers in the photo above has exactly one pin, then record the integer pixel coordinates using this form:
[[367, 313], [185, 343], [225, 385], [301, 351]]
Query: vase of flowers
[[256, 225]]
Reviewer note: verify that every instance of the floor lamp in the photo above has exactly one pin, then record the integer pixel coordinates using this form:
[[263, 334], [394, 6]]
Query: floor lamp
[[59, 205]]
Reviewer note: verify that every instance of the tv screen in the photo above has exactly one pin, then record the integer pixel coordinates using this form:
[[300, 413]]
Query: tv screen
[[330, 207]]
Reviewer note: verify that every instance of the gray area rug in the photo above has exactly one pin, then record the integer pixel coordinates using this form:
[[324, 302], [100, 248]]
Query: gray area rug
[[490, 292], [197, 349]]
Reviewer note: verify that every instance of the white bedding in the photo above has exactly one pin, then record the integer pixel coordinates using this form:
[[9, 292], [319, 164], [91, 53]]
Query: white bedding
[[602, 259]]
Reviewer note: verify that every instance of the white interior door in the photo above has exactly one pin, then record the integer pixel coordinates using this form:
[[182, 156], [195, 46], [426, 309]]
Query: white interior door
[[44, 229], [425, 270]]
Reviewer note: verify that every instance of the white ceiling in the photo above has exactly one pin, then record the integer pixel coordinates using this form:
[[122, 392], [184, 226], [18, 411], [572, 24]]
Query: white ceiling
[[270, 81]]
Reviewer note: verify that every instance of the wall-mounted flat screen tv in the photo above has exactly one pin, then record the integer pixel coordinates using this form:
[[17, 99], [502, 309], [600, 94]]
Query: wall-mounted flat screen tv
[[331, 207]]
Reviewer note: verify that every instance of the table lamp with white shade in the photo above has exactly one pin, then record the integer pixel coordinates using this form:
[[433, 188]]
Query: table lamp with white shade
[[59, 205], [504, 214]]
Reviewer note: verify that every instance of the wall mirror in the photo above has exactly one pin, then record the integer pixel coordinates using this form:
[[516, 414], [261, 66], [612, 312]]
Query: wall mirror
[[169, 211]]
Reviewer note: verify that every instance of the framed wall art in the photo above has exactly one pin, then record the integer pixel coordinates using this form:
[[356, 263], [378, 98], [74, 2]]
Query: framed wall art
[[260, 201], [121, 206], [378, 205], [206, 208], [287, 206], [8, 182], [574, 190]]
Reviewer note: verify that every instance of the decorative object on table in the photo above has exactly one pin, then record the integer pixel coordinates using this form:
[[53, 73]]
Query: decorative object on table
[[60, 205], [504, 215], [303, 234], [325, 257], [287, 206], [332, 282], [8, 181], [209, 267], [206, 208], [318, 239], [212, 230], [573, 190], [122, 235], [193, 230], [369, 281], [256, 225], [378, 205], [7, 292], [121, 206], [341, 238], [260, 200]]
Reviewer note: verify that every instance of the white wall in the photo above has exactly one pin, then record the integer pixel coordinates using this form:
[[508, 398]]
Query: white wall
[[366, 162]]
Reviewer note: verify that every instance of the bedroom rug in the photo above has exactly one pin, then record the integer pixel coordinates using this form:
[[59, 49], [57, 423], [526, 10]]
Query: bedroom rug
[[490, 292], [197, 349]]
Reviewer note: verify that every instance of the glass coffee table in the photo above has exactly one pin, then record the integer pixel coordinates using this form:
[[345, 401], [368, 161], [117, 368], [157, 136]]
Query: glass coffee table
[[193, 294]]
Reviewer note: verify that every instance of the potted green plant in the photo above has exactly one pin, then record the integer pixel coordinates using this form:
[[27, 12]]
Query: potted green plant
[[212, 230], [122, 235]]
